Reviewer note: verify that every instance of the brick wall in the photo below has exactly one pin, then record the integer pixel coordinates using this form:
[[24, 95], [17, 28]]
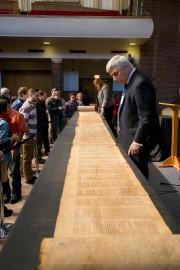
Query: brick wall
[[160, 56]]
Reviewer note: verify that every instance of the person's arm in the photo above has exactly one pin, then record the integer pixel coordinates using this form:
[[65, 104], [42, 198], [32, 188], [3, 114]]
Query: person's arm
[[21, 125], [47, 101], [67, 110], [25, 112], [146, 107], [106, 95], [1, 155], [5, 134], [52, 106], [14, 137]]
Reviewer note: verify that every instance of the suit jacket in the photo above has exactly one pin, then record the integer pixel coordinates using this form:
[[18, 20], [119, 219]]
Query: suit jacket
[[139, 120]]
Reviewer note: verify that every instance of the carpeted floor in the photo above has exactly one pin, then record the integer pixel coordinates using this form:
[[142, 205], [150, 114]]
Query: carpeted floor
[[166, 183]]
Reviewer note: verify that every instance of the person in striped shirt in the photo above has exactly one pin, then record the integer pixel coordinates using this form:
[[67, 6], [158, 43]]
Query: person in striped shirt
[[28, 109]]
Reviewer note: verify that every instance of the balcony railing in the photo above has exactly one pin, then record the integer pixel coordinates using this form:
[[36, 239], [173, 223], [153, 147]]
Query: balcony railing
[[74, 13]]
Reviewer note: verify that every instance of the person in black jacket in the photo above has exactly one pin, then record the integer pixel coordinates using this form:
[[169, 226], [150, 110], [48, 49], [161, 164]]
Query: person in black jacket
[[138, 121], [45, 134], [55, 108]]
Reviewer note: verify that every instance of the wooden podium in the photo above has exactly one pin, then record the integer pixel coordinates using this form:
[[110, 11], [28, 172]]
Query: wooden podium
[[173, 160]]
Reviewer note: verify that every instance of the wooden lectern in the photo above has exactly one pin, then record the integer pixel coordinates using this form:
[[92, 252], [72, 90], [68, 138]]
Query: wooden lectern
[[173, 160]]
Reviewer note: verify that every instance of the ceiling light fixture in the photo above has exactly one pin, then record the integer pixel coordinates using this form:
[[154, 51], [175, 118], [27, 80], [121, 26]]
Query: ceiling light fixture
[[132, 44], [46, 43]]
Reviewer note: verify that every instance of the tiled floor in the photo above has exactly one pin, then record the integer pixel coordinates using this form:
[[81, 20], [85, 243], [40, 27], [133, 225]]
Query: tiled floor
[[26, 189]]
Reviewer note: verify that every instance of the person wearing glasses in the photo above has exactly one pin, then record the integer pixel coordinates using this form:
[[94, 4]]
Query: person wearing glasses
[[138, 121]]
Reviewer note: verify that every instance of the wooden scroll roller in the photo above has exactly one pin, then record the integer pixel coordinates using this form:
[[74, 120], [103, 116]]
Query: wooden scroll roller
[[86, 108]]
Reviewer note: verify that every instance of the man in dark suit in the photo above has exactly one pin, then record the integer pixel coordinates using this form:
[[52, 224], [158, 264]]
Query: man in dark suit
[[138, 123]]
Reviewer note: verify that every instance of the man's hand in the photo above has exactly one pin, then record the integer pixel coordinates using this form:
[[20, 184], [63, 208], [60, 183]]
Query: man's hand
[[15, 137], [134, 149], [102, 111]]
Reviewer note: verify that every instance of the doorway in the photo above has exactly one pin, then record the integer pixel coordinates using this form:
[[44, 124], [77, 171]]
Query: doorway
[[87, 83]]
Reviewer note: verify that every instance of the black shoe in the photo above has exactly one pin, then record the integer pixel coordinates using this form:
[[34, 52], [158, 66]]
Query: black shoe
[[31, 181], [6, 191], [41, 160], [6, 198], [7, 212], [15, 198], [47, 154]]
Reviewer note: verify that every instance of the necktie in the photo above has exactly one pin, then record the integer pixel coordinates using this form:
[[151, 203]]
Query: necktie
[[120, 106]]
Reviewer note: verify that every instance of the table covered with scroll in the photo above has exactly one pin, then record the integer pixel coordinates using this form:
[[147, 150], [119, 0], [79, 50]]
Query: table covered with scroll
[[106, 218]]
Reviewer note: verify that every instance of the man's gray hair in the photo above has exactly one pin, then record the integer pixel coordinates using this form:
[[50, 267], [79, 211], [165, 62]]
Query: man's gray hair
[[5, 91], [118, 61]]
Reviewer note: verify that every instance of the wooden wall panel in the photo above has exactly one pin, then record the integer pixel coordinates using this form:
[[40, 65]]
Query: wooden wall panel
[[14, 80], [10, 5]]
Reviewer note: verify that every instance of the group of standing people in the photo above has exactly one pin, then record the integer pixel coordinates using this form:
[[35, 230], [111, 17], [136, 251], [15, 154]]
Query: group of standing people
[[61, 111], [26, 120]]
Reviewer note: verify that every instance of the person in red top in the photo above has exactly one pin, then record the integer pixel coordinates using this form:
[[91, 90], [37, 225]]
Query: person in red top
[[8, 119], [17, 126]]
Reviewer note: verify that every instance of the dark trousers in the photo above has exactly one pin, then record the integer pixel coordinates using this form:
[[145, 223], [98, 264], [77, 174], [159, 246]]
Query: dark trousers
[[56, 123], [45, 139], [39, 143], [54, 133], [108, 114], [15, 169], [142, 160]]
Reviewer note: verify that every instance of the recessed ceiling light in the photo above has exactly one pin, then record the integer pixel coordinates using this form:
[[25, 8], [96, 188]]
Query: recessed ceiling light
[[46, 43], [132, 44]]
